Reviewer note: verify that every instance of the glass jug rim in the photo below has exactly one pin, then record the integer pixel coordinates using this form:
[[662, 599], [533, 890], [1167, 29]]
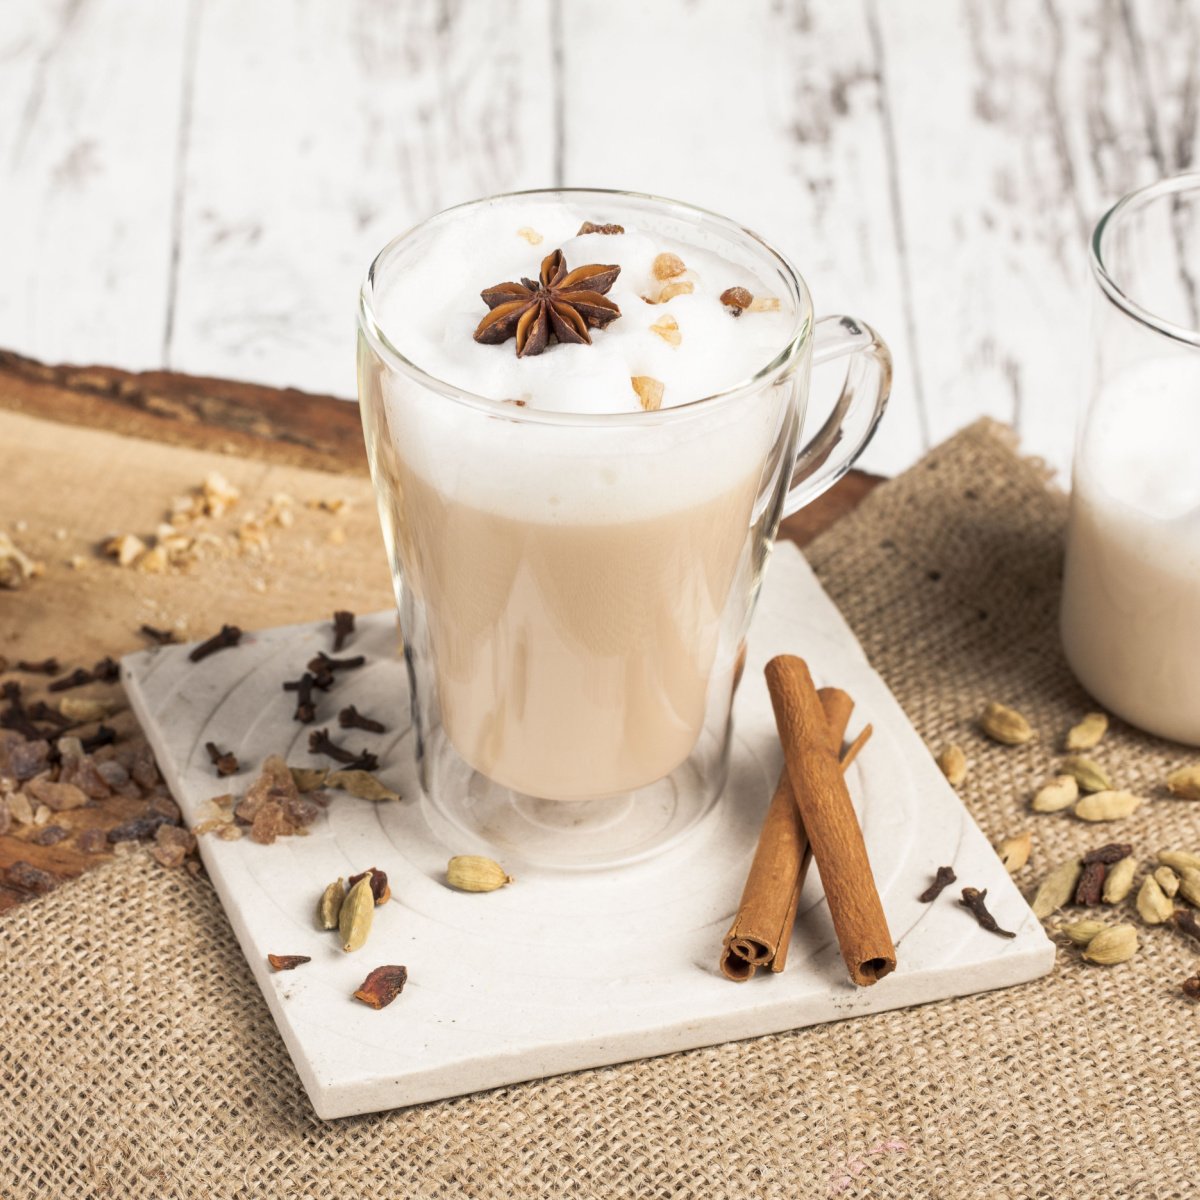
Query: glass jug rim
[[1128, 204], [799, 334]]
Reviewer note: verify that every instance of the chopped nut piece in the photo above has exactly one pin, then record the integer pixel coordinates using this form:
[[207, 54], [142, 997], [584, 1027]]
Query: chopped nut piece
[[667, 328], [530, 235], [126, 548], [382, 986], [667, 266], [649, 392], [16, 567], [736, 299], [678, 287], [766, 304]]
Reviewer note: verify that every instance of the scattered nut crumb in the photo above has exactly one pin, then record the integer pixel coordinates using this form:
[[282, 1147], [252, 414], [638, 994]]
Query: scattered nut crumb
[[649, 391], [766, 304], [530, 235], [16, 567], [667, 328], [667, 266]]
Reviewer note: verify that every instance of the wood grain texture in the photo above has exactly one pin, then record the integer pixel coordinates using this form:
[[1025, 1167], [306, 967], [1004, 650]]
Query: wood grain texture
[[776, 121], [314, 139], [90, 94]]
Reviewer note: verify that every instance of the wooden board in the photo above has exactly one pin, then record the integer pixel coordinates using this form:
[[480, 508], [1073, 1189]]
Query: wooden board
[[72, 475]]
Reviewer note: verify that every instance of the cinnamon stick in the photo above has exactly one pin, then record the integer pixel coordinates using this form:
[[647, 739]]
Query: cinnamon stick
[[828, 816], [762, 929]]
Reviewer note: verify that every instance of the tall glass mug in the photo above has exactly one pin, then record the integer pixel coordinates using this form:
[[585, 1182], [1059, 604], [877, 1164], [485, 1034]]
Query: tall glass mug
[[1131, 591], [574, 589]]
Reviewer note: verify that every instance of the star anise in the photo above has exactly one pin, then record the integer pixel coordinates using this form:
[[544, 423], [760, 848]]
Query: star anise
[[564, 302]]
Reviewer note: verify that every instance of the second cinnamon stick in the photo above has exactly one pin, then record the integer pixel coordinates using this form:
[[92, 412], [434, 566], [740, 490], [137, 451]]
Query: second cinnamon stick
[[827, 813]]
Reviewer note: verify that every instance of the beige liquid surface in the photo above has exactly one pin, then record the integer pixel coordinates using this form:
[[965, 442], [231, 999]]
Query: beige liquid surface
[[572, 660]]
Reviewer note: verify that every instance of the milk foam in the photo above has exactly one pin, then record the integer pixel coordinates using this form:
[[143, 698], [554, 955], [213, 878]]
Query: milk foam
[[431, 309], [428, 305]]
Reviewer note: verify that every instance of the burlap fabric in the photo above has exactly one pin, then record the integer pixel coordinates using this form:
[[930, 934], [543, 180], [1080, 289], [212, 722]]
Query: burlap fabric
[[137, 1059]]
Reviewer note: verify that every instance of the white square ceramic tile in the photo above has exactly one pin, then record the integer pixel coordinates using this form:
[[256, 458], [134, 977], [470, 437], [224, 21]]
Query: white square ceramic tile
[[563, 970]]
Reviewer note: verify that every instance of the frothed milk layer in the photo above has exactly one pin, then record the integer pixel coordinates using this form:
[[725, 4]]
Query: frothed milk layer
[[1131, 603], [430, 311], [533, 466]]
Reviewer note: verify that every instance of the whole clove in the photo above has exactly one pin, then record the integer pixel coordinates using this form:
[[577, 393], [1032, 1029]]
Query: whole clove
[[1108, 854], [1185, 921], [1091, 883], [306, 709], [107, 670], [351, 718], [228, 636], [48, 666], [941, 881], [104, 736], [16, 716], [323, 664], [161, 637], [319, 742], [77, 678], [343, 627], [224, 760], [974, 899], [41, 711]]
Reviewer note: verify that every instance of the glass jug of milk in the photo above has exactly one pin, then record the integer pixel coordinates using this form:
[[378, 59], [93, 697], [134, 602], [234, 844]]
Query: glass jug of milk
[[1131, 590]]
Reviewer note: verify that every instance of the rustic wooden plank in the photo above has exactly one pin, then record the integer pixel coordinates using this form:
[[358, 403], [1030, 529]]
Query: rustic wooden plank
[[315, 137], [775, 119], [89, 112], [997, 222]]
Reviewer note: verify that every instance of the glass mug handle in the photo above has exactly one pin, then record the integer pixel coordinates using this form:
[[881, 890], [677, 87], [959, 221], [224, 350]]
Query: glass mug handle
[[851, 424]]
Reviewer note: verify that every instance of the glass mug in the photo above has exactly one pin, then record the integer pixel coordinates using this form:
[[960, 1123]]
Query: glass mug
[[1130, 614], [574, 589]]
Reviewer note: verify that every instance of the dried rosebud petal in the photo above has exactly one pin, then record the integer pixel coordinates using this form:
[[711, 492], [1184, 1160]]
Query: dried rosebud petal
[[379, 884], [382, 986], [287, 962]]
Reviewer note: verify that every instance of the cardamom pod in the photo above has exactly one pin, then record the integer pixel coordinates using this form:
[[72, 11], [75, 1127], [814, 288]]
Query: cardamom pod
[[1090, 776], [1167, 880], [953, 763], [1082, 932], [1088, 733], [474, 873], [358, 910], [1107, 806], [308, 779], [1179, 860], [1014, 851], [1185, 783], [1061, 792], [362, 784], [1118, 883], [1189, 885], [1115, 945], [1005, 725], [330, 905], [1153, 907], [1057, 888]]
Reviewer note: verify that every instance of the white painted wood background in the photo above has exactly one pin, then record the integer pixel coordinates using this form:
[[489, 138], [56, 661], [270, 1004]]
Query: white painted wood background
[[199, 184]]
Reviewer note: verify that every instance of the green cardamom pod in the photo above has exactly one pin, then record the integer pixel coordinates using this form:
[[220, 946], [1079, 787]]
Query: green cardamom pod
[[358, 911], [1115, 945], [1090, 776], [330, 905], [1057, 888], [474, 873]]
